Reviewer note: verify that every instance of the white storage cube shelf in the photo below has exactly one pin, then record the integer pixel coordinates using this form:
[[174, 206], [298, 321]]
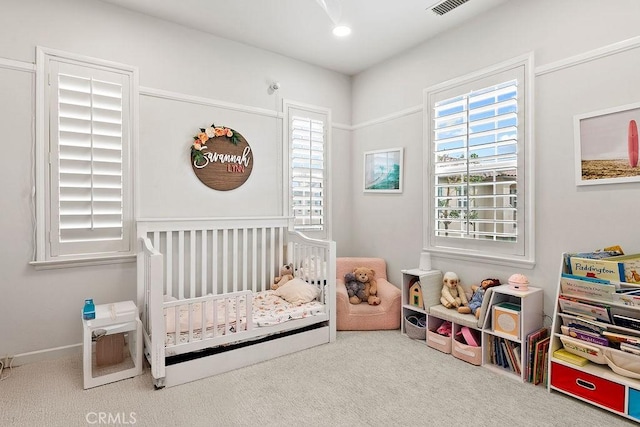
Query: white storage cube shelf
[[112, 319], [528, 319]]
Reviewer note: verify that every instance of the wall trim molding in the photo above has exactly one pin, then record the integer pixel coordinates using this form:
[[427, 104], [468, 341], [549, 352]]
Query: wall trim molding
[[572, 61], [192, 99], [589, 56], [389, 117], [11, 64], [210, 102]]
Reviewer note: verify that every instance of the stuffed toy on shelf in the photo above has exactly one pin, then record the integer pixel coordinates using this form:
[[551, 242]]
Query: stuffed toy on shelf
[[452, 294], [478, 295]]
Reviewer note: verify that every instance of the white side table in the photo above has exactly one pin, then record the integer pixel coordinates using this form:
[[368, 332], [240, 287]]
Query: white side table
[[111, 319]]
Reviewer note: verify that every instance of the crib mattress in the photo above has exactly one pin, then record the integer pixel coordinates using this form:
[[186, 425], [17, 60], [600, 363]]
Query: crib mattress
[[268, 309]]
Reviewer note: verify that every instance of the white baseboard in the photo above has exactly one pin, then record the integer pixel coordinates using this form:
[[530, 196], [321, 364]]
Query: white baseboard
[[48, 354]]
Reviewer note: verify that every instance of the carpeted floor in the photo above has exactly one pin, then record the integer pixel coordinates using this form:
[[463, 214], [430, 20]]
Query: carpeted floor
[[378, 378]]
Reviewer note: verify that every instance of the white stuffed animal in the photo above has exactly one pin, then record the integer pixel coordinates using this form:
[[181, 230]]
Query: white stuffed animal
[[453, 295]]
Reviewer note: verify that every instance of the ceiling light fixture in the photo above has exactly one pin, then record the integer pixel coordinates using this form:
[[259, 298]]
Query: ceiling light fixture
[[333, 9], [341, 31]]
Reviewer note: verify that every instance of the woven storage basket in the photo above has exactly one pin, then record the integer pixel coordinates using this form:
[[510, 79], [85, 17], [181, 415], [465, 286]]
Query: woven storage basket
[[415, 327]]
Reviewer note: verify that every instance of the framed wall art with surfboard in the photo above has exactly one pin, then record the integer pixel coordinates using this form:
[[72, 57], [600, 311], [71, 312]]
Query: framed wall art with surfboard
[[606, 146]]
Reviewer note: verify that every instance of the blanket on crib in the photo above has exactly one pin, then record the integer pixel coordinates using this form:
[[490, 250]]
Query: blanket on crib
[[267, 309]]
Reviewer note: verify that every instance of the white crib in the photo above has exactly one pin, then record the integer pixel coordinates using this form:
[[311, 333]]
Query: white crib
[[197, 279]]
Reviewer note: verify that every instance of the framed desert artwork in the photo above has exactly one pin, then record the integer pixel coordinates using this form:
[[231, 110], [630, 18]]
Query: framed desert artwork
[[383, 171], [606, 146]]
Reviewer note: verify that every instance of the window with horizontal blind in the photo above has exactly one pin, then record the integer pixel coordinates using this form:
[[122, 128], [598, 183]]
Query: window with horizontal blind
[[478, 158], [87, 188], [307, 130]]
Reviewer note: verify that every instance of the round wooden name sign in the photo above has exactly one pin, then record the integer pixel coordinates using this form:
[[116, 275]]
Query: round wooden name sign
[[221, 158]]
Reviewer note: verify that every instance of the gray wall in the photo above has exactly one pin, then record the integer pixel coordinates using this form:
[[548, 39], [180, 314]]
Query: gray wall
[[40, 309], [567, 218]]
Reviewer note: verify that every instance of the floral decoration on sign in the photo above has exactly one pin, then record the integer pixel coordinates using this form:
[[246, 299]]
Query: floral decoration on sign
[[206, 135]]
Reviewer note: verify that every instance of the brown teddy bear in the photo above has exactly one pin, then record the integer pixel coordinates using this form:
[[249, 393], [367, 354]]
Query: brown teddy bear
[[452, 294], [367, 276], [286, 274]]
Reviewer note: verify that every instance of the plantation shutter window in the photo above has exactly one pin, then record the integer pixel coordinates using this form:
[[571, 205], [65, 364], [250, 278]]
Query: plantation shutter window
[[475, 160], [89, 142], [478, 201], [307, 171]]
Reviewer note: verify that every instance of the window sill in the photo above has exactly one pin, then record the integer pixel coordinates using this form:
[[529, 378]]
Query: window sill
[[504, 260], [78, 262]]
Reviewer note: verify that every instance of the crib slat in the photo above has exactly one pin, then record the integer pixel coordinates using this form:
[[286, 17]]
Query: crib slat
[[181, 264], [203, 320], [215, 318], [203, 263], [244, 259], [177, 325], [272, 252], [192, 263], [225, 260], [214, 262], [263, 258], [169, 264], [280, 247], [234, 251], [191, 308], [254, 259]]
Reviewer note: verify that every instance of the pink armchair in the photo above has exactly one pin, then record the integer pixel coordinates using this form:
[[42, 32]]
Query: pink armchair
[[365, 317]]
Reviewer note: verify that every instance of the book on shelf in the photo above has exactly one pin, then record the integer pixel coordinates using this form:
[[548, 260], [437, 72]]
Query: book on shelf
[[518, 361], [583, 335], [530, 343], [600, 253], [623, 268], [583, 323], [630, 348], [563, 354], [626, 322], [507, 358], [589, 310], [587, 287], [627, 298], [617, 338], [538, 364], [545, 363]]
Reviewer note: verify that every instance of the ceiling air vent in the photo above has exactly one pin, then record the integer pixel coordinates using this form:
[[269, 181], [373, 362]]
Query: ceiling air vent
[[443, 7]]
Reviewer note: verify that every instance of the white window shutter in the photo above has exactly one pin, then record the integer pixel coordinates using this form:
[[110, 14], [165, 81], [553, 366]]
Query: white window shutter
[[90, 179], [476, 163], [478, 200], [307, 172]]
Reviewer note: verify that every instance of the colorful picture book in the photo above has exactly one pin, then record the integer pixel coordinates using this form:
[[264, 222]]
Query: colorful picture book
[[583, 335], [506, 354], [540, 360], [587, 287], [622, 268], [589, 310], [532, 339], [563, 354]]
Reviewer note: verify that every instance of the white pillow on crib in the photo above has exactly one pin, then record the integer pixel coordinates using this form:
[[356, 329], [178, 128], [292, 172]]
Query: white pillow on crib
[[297, 291]]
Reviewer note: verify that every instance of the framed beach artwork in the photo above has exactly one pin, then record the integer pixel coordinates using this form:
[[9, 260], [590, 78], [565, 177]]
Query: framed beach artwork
[[383, 170], [606, 146]]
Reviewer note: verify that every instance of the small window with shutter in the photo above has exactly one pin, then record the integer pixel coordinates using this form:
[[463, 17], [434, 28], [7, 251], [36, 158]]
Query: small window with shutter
[[87, 142], [307, 168]]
